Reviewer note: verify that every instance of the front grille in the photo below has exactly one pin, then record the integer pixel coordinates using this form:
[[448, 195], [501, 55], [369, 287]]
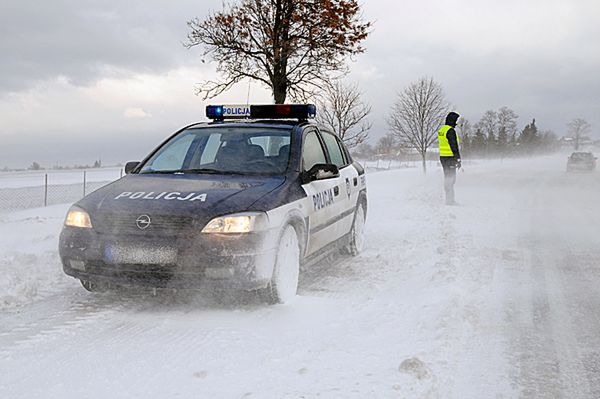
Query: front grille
[[126, 224]]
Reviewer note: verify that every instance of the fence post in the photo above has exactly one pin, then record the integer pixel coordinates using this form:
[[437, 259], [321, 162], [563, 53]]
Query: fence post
[[84, 183], [46, 189]]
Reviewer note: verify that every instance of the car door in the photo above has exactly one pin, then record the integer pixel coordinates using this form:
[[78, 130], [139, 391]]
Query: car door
[[324, 196], [349, 187]]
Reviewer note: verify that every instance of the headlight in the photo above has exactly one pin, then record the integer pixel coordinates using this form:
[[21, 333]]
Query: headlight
[[236, 224], [77, 217]]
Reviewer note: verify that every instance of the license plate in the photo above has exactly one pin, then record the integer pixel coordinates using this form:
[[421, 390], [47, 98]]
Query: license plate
[[140, 254]]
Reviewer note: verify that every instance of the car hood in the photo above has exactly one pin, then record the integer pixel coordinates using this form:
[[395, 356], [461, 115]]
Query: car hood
[[185, 195]]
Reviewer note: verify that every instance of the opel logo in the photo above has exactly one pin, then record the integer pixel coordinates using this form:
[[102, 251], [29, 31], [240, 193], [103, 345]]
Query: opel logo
[[143, 222]]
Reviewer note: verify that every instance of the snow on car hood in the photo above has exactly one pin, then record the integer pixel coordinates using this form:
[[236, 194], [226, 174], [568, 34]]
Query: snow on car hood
[[180, 194]]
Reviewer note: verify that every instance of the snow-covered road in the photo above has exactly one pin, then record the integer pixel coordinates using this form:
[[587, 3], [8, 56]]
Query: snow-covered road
[[495, 298]]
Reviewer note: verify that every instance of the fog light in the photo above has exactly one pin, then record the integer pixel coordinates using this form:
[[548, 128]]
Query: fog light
[[77, 264]]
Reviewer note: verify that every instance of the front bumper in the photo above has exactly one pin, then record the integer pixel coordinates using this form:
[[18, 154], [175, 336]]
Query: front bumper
[[186, 261]]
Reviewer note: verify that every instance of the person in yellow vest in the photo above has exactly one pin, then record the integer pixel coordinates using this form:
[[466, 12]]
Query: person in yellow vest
[[449, 155]]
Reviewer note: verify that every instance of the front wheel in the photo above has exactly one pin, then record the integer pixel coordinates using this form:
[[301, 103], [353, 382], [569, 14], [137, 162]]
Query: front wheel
[[284, 283], [357, 233]]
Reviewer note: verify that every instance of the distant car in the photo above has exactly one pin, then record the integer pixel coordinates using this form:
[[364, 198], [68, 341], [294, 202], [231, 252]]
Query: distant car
[[229, 203], [581, 161]]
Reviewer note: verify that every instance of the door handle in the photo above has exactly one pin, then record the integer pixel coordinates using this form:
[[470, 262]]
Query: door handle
[[336, 190], [356, 181]]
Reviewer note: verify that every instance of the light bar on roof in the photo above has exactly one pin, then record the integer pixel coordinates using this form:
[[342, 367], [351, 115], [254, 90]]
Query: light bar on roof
[[276, 111]]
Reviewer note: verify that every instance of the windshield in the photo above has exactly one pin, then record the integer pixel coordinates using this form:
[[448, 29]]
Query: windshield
[[581, 155], [235, 150]]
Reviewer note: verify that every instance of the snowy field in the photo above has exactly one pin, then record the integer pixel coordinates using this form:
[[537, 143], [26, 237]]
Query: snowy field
[[495, 298], [29, 189], [36, 178]]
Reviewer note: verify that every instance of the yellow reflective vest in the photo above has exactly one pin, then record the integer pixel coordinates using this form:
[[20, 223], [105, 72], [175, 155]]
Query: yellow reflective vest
[[445, 150]]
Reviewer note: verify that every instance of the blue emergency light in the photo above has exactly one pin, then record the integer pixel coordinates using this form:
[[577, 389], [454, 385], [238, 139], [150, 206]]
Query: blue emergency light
[[275, 111], [214, 111]]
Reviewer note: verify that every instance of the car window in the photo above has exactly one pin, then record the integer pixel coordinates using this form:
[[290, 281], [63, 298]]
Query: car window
[[581, 155], [312, 151], [344, 151], [335, 153], [272, 146], [174, 155], [239, 150], [213, 143]]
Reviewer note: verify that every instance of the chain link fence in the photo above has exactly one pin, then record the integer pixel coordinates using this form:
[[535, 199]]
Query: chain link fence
[[24, 190], [374, 165]]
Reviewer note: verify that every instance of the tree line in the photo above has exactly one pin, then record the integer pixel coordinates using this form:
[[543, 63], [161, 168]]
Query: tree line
[[496, 135]]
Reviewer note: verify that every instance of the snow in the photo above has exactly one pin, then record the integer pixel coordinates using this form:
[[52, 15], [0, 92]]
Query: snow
[[495, 298], [29, 255]]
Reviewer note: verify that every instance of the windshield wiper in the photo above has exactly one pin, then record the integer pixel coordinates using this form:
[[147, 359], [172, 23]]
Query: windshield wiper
[[201, 171], [209, 171]]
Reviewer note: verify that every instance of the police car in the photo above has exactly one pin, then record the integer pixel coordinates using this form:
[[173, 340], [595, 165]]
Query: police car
[[240, 202]]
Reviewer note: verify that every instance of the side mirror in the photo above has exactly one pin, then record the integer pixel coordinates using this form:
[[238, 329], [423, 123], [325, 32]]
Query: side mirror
[[130, 166], [321, 171]]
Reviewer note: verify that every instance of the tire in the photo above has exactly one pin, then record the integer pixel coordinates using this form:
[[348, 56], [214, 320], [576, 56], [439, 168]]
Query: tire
[[357, 232], [93, 287], [284, 283]]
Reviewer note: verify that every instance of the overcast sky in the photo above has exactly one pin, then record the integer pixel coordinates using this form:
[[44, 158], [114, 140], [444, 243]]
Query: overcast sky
[[82, 80]]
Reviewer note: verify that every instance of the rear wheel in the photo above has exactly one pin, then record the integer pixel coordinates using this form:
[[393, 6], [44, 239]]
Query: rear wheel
[[357, 233], [284, 283]]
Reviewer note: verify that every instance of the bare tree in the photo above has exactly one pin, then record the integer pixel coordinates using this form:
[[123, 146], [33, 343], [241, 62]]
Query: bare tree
[[417, 114], [466, 135], [578, 128], [386, 145], [290, 46], [507, 129], [364, 151], [507, 122], [489, 126], [342, 110], [465, 126]]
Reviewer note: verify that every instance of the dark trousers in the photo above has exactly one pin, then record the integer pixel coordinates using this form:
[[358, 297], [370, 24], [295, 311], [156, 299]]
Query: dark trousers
[[449, 166]]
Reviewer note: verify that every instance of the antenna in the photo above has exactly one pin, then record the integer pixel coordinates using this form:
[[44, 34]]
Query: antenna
[[248, 97]]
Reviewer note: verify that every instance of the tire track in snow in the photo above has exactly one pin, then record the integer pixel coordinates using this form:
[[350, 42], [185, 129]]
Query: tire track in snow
[[547, 353], [577, 275], [533, 352]]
